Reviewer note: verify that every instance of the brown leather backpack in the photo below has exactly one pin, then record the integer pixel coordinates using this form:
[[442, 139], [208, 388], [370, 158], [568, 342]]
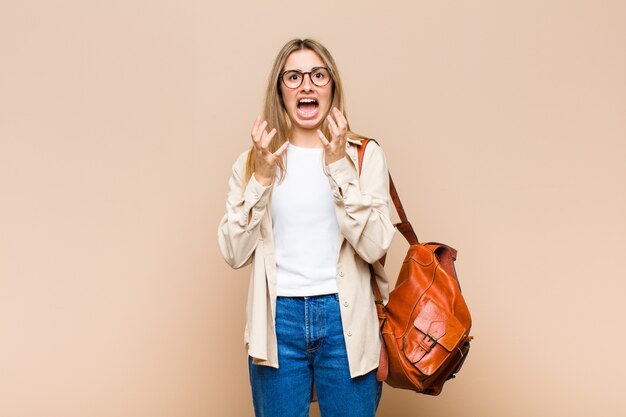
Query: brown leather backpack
[[425, 324]]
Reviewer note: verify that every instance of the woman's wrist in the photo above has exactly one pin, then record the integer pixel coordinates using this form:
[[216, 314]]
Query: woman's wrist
[[263, 180], [335, 159]]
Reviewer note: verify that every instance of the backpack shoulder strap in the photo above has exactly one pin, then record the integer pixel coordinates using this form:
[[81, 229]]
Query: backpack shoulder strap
[[404, 226]]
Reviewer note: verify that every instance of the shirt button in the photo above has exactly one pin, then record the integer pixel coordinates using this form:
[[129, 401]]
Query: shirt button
[[349, 333], [345, 303], [340, 273]]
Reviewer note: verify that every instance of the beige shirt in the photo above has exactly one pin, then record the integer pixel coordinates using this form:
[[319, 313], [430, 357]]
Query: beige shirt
[[363, 209]]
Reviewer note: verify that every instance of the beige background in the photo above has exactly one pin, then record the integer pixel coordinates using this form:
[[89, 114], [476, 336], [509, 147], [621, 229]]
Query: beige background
[[504, 125]]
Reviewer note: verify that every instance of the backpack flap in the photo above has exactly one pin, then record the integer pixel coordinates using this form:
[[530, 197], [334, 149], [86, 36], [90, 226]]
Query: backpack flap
[[431, 328]]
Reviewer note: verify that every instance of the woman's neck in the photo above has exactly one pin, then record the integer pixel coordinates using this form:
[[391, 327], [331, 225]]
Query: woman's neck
[[305, 138]]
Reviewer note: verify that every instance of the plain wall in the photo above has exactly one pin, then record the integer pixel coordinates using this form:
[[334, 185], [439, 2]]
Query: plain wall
[[504, 126]]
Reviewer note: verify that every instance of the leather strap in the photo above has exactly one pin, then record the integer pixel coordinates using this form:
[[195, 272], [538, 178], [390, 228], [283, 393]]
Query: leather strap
[[404, 226], [409, 234], [378, 299], [383, 363]]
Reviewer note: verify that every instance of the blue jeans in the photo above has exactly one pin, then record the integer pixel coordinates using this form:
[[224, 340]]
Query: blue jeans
[[311, 351]]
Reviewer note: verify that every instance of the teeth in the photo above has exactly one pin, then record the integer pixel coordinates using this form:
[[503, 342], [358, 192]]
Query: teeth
[[307, 100]]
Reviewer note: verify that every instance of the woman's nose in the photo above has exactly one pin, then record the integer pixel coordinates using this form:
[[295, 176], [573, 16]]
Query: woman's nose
[[306, 82]]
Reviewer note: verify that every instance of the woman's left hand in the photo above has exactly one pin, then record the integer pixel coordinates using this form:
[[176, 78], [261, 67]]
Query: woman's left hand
[[336, 148]]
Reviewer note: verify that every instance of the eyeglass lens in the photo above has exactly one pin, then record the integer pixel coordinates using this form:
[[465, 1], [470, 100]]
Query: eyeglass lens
[[320, 77]]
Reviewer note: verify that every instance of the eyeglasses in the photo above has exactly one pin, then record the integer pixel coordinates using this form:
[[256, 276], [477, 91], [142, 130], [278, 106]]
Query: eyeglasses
[[320, 76]]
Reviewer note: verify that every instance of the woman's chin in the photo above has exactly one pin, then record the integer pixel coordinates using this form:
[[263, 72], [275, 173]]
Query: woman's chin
[[307, 124]]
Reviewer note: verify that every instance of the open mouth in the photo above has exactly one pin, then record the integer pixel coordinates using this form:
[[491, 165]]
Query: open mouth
[[307, 108]]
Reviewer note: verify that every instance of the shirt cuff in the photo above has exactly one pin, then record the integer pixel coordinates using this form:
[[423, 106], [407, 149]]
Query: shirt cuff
[[341, 171], [255, 193]]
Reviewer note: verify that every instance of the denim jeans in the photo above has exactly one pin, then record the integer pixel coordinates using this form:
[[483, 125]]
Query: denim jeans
[[311, 351]]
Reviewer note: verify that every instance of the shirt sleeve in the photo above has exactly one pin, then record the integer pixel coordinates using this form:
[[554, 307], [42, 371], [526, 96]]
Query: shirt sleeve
[[239, 228], [363, 204]]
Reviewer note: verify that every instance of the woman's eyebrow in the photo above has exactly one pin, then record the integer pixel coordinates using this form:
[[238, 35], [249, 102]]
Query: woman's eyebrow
[[299, 69]]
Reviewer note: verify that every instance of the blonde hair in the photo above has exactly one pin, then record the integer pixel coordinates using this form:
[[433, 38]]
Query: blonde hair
[[274, 111]]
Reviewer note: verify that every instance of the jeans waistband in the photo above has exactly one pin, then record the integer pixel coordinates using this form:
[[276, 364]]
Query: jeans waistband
[[307, 297]]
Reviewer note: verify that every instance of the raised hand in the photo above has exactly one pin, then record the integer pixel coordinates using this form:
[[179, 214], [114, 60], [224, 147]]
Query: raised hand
[[335, 149], [265, 161]]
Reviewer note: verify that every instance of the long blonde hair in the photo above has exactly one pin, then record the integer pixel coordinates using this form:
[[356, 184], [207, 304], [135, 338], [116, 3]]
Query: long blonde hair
[[275, 112]]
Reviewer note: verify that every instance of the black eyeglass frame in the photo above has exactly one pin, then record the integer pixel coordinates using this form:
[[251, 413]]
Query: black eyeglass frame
[[303, 73]]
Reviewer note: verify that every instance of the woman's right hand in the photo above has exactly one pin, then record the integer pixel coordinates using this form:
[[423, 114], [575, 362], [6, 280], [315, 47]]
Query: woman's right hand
[[264, 160]]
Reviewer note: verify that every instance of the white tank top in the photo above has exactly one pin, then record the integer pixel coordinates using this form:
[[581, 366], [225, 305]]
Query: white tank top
[[304, 226]]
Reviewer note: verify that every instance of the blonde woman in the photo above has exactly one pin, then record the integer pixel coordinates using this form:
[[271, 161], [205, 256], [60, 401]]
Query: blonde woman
[[298, 211]]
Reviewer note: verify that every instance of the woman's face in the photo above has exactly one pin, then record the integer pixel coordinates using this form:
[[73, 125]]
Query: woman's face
[[306, 116]]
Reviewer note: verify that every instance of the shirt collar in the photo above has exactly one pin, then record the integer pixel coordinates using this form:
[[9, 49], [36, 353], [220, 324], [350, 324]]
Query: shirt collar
[[354, 141]]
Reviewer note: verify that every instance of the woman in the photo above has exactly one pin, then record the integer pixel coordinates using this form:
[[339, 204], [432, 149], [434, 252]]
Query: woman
[[299, 212]]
